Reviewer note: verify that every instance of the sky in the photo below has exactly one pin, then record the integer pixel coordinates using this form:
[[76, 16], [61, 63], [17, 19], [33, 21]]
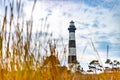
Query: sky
[[96, 21]]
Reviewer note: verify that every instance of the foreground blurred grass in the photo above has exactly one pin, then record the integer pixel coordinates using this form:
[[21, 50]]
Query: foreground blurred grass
[[21, 57]]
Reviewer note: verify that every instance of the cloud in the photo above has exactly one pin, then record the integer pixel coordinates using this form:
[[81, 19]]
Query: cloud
[[95, 24], [102, 3]]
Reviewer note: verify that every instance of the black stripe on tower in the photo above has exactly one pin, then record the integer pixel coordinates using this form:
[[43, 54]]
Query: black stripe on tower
[[72, 44], [71, 58]]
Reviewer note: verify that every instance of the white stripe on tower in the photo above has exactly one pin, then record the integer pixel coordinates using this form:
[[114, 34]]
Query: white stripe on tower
[[72, 43], [72, 51], [72, 36]]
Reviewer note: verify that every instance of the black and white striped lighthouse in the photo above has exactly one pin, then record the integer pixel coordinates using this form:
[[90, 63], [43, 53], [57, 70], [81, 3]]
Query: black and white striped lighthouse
[[72, 43]]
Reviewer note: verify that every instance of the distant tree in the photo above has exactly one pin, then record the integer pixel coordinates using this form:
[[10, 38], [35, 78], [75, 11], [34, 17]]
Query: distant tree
[[108, 61], [94, 66], [114, 64]]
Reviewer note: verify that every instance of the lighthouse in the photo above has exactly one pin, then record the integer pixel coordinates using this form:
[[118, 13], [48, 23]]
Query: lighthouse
[[72, 43]]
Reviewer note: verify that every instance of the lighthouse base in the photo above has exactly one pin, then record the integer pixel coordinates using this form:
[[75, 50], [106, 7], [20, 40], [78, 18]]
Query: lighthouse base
[[71, 59]]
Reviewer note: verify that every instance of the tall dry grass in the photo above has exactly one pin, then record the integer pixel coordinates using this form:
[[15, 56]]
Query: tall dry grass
[[21, 56]]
